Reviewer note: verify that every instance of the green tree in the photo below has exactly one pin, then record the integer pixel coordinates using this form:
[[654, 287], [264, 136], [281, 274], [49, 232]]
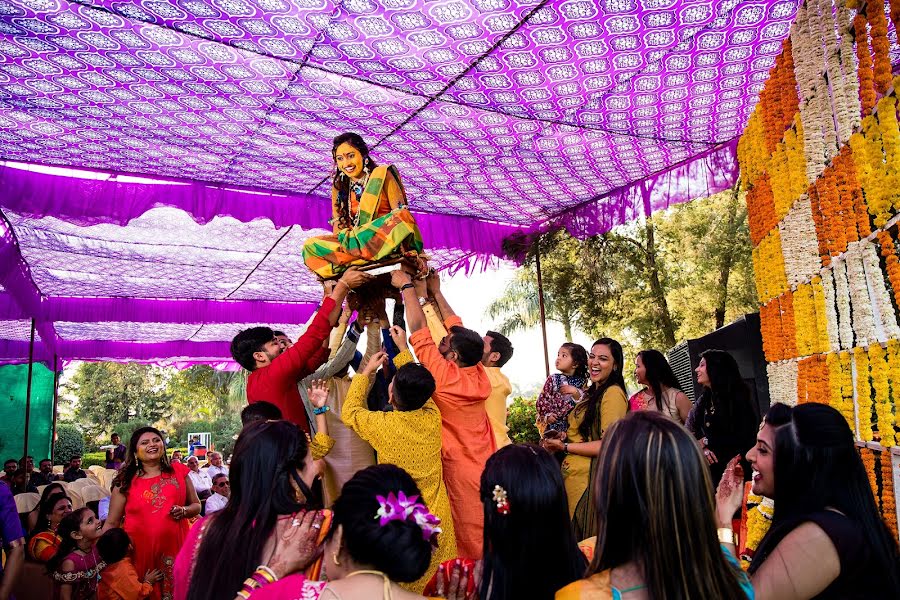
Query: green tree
[[69, 442], [111, 393], [650, 283], [519, 306], [520, 418]]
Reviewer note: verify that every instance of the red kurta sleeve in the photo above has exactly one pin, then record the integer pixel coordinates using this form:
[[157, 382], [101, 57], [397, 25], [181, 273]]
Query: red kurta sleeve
[[294, 363]]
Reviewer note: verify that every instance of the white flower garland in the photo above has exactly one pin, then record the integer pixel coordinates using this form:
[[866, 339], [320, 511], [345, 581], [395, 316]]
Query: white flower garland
[[848, 68], [799, 243], [831, 317], [783, 381], [883, 307], [863, 319], [842, 297]]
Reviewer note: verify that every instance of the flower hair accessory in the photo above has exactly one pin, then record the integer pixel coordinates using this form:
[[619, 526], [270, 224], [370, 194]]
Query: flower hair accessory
[[500, 499], [400, 508]]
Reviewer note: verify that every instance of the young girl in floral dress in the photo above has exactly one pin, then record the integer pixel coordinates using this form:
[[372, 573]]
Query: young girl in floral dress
[[562, 390]]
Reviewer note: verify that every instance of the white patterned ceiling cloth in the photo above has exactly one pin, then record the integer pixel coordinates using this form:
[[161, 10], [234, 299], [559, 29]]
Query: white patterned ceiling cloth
[[501, 116]]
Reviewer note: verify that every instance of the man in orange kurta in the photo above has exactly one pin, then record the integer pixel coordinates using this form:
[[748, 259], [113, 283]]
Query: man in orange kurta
[[467, 438]]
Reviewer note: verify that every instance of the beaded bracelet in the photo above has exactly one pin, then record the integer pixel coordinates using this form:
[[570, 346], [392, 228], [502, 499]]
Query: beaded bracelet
[[262, 576]]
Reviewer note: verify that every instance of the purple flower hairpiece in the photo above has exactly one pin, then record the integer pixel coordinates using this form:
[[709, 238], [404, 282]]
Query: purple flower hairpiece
[[400, 508]]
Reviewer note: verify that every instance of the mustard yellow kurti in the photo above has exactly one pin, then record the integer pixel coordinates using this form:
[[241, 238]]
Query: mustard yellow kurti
[[412, 441], [495, 405], [576, 469]]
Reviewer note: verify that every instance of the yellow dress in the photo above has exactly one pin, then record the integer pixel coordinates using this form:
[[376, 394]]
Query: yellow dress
[[412, 441], [577, 469]]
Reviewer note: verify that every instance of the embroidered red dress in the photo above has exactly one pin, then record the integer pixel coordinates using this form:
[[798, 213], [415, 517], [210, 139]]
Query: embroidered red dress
[[156, 536]]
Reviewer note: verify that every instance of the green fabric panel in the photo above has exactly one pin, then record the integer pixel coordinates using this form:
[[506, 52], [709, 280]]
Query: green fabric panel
[[13, 392]]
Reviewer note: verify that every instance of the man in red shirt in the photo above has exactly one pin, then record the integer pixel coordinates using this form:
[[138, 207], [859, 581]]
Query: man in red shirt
[[275, 369]]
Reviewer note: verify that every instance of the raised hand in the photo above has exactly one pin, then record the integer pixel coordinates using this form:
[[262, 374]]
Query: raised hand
[[730, 493], [398, 334], [399, 278], [433, 282], [318, 393], [353, 278], [296, 547], [378, 360]]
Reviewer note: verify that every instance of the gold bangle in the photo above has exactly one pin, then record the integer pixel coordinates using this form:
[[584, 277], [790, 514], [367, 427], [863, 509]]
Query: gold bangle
[[725, 535]]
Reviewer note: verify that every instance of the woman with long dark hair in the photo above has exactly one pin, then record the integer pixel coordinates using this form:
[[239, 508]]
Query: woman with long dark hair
[[156, 498], [370, 214], [657, 536], [383, 535], [530, 550], [603, 404], [723, 419], [76, 566], [43, 540], [51, 488], [827, 539], [661, 392], [271, 477]]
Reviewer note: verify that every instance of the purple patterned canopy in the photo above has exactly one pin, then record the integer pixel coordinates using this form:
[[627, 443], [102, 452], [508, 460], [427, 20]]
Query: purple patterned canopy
[[500, 116]]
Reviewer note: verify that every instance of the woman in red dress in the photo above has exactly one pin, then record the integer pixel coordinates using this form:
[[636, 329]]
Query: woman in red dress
[[156, 499]]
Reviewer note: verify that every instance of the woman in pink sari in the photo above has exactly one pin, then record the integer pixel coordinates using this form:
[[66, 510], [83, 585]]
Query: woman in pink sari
[[156, 499]]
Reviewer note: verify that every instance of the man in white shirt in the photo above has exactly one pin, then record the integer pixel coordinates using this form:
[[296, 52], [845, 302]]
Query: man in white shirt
[[200, 479], [221, 492], [215, 465]]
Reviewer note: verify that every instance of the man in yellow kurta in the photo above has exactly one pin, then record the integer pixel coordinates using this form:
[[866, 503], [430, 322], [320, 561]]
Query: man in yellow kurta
[[462, 389], [497, 351], [409, 437]]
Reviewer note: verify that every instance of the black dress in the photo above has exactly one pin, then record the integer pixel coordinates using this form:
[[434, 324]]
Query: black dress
[[860, 576], [729, 432]]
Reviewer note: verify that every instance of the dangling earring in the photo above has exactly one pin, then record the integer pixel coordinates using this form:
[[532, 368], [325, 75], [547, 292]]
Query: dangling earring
[[366, 166], [334, 555]]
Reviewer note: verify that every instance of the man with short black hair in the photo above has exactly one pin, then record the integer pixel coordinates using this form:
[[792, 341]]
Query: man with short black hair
[[10, 466], [260, 411], [221, 488], [275, 371], [74, 471], [45, 476], [497, 351], [462, 388]]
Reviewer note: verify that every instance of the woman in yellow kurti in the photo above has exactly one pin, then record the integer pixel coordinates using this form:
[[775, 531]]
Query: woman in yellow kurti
[[603, 404], [409, 437]]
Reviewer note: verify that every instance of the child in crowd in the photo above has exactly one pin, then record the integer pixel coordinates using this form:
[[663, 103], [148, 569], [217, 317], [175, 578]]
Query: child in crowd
[[562, 390], [76, 566], [119, 580]]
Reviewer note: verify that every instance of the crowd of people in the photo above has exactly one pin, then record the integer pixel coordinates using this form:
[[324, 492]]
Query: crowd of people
[[401, 482]]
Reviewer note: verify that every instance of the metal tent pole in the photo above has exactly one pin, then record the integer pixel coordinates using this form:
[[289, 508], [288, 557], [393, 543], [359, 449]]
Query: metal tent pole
[[28, 389], [55, 406], [540, 283]]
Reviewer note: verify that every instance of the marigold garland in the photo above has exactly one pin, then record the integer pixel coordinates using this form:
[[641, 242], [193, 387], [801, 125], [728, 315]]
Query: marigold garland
[[868, 458], [847, 408], [893, 361], [888, 499], [760, 511], [760, 209], [889, 132], [863, 394], [788, 325], [819, 222], [884, 408], [892, 263], [864, 58], [881, 47], [895, 12]]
